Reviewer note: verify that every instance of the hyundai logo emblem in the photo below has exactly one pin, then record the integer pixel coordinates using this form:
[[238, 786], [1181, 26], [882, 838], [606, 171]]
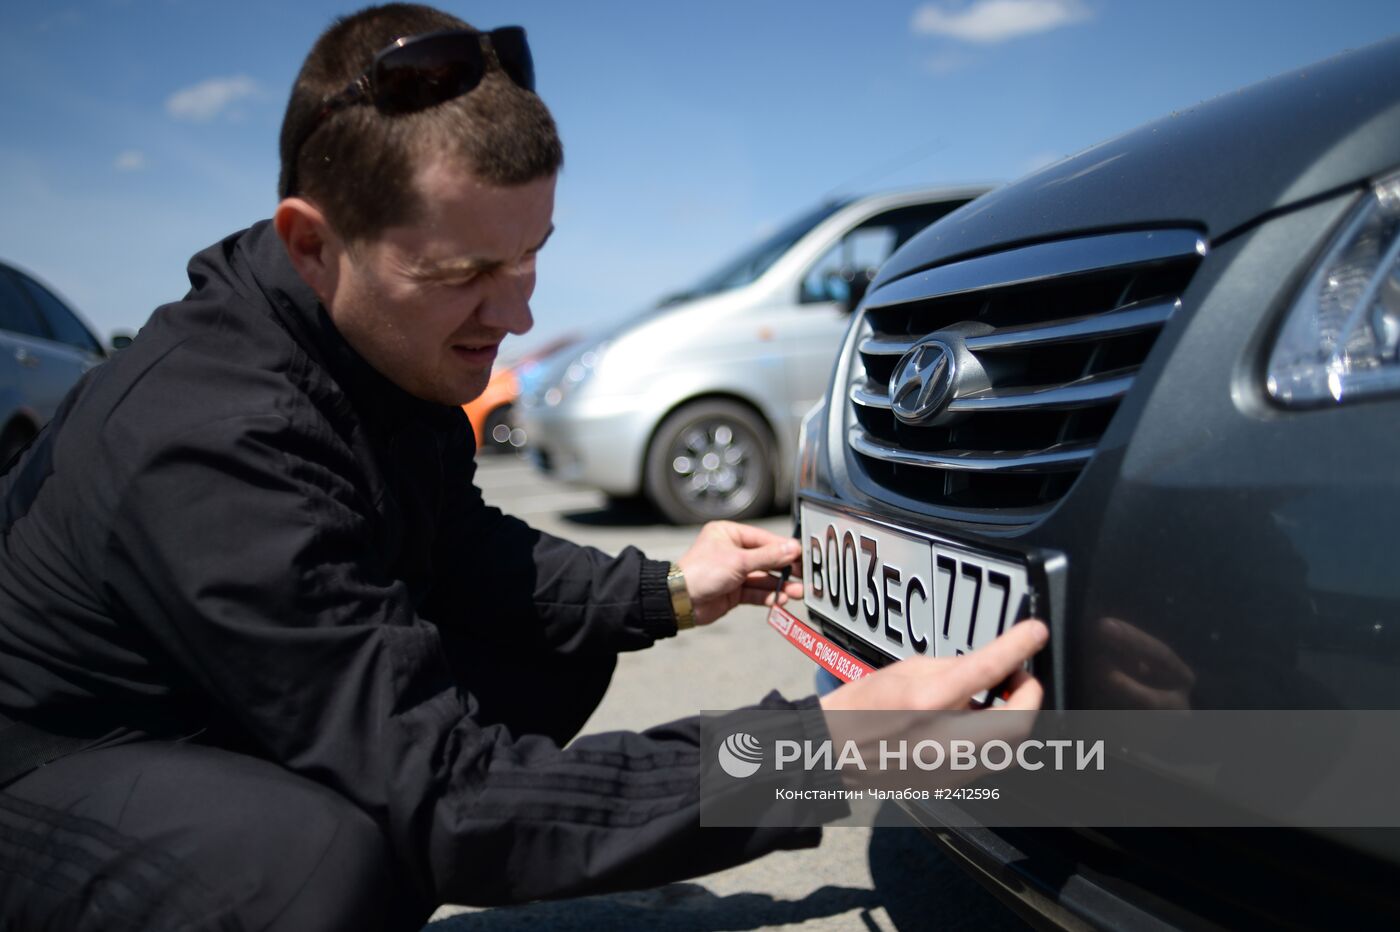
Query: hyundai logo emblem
[[922, 383]]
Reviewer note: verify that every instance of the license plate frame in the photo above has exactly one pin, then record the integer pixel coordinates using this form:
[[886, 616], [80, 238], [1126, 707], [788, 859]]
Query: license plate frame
[[945, 609]]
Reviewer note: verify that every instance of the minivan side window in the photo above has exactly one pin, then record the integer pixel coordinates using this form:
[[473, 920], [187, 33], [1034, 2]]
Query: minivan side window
[[17, 314], [65, 325], [866, 247]]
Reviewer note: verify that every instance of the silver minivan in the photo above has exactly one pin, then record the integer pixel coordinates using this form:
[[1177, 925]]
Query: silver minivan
[[697, 403]]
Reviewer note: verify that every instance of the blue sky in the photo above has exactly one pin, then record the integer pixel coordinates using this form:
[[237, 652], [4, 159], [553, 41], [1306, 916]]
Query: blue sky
[[139, 131]]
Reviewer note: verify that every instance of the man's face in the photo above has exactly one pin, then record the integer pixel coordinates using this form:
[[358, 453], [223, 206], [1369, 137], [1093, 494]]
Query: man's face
[[427, 304]]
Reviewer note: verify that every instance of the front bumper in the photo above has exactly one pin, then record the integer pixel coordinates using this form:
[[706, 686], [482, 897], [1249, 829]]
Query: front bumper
[[1150, 879], [594, 443]]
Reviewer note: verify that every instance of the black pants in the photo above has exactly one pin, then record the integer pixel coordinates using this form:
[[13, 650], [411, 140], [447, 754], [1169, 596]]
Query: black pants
[[164, 835]]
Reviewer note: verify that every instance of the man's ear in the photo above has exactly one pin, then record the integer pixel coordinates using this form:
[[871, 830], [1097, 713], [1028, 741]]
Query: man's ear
[[311, 244]]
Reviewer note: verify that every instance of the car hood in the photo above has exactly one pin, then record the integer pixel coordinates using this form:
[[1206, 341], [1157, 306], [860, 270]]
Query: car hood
[[1215, 166]]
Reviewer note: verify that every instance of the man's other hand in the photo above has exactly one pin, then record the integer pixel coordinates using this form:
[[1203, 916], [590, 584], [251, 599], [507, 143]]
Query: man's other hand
[[934, 684], [906, 692], [731, 564]]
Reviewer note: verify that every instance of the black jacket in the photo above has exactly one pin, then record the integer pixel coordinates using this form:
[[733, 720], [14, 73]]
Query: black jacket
[[236, 526]]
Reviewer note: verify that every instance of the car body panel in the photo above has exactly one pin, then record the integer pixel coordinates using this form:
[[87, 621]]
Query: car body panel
[[40, 370], [36, 369]]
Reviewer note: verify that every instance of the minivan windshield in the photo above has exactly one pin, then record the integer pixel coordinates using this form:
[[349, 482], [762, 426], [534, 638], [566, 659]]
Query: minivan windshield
[[755, 260]]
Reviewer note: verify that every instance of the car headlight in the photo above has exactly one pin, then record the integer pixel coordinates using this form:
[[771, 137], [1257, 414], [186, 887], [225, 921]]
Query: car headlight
[[579, 370], [1341, 337]]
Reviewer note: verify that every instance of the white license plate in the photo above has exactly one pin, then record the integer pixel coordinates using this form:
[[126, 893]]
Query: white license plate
[[904, 594]]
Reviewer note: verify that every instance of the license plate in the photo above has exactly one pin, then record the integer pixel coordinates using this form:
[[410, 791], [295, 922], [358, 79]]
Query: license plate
[[904, 594]]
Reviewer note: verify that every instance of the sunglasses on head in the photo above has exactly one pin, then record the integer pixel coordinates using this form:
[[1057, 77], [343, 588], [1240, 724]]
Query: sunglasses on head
[[418, 72]]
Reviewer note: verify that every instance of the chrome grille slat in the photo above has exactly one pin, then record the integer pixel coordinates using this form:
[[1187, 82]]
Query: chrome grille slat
[[1047, 339], [1059, 457], [869, 398], [1129, 319], [1091, 390], [1042, 263], [1126, 320], [874, 346]]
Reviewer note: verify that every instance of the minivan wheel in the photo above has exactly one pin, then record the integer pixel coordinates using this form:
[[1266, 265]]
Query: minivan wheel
[[709, 461]]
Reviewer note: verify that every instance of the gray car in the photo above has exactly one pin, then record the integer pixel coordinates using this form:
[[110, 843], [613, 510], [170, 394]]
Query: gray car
[[697, 403], [44, 349], [1152, 390]]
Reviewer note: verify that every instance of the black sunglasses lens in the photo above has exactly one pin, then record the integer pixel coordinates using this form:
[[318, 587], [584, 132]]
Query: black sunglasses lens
[[427, 71], [513, 52]]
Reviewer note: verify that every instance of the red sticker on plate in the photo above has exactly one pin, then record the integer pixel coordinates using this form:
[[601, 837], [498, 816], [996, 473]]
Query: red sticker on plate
[[832, 658]]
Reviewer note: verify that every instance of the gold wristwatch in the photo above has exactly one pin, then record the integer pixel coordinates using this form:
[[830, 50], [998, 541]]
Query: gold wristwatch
[[680, 598]]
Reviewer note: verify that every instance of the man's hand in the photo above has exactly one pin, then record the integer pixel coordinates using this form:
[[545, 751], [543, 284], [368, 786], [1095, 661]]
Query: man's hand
[[932, 684], [730, 564], [920, 685]]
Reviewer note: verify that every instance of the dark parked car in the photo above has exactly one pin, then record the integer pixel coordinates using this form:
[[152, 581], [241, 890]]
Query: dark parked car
[[1151, 389], [44, 349]]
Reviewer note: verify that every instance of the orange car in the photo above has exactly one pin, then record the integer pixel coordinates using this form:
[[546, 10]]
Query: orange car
[[490, 414]]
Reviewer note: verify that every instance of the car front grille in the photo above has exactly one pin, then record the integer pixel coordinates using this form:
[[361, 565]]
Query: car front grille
[[1051, 335]]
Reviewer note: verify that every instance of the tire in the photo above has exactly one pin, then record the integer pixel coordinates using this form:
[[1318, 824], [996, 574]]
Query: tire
[[710, 461], [500, 431]]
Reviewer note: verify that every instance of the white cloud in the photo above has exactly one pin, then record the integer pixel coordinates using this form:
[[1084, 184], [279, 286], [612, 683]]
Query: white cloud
[[204, 101], [989, 21], [132, 160]]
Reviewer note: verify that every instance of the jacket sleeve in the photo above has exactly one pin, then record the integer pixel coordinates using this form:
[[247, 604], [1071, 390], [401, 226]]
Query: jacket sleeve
[[551, 593], [245, 551]]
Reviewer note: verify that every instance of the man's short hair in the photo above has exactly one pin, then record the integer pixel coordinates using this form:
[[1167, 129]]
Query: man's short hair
[[358, 165]]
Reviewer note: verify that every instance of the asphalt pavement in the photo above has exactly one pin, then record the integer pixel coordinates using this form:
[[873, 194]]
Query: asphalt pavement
[[859, 878]]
